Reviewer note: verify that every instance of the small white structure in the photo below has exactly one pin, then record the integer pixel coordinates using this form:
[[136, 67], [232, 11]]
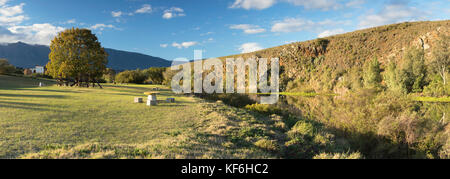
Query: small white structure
[[138, 100], [38, 70], [152, 99]]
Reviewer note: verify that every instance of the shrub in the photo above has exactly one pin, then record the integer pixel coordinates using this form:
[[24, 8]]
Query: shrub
[[168, 75], [301, 129], [5, 67], [356, 155], [436, 88], [372, 74], [269, 145], [265, 109], [109, 75], [136, 76], [235, 100], [155, 75], [251, 132]]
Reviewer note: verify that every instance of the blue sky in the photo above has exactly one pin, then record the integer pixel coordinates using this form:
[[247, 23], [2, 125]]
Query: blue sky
[[175, 28]]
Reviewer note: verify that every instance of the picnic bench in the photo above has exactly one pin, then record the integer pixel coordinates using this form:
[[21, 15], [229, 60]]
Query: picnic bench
[[152, 98]]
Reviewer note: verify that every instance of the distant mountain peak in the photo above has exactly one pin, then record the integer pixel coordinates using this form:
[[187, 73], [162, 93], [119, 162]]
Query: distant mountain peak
[[25, 55]]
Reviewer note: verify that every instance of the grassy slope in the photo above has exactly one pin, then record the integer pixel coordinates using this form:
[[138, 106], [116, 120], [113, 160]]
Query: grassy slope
[[62, 122], [329, 67]]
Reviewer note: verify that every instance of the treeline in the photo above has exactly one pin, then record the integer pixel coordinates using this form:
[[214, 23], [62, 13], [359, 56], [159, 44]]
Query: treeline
[[154, 75], [7, 69]]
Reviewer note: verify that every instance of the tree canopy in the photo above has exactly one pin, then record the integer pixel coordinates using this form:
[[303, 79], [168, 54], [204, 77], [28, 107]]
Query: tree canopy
[[77, 55], [5, 67]]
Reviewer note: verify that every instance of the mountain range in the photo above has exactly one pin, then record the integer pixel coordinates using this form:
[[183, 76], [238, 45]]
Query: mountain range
[[26, 55]]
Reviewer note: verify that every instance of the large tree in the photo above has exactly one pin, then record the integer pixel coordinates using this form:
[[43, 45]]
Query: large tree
[[77, 55], [441, 61], [372, 74], [5, 67]]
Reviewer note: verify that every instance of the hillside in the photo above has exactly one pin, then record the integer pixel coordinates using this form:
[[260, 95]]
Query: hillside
[[378, 89], [332, 63], [26, 55]]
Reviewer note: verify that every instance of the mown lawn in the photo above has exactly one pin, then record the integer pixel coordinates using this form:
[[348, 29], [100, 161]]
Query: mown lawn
[[65, 122], [32, 117]]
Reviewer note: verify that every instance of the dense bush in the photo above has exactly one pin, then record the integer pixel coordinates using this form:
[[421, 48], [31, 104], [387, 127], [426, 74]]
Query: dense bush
[[136, 76], [148, 76], [372, 74], [5, 67], [269, 145], [109, 75], [265, 109], [356, 155], [235, 100], [168, 74], [155, 75]]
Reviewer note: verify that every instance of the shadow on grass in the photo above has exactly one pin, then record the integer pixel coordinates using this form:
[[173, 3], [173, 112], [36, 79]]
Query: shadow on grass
[[48, 90], [144, 87], [33, 96], [25, 106]]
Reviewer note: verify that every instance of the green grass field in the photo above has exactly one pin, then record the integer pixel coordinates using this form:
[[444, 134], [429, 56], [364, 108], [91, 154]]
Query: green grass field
[[65, 122]]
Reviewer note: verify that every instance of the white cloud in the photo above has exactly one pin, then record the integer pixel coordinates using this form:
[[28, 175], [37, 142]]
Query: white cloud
[[328, 33], [299, 24], [10, 31], [292, 25], [11, 10], [316, 4], [71, 21], [173, 12], [146, 8], [355, 3], [184, 44], [307, 4], [164, 45], [33, 34], [392, 13], [102, 27], [11, 15], [253, 4], [207, 33], [248, 29], [250, 47], [116, 13], [12, 20], [3, 2]]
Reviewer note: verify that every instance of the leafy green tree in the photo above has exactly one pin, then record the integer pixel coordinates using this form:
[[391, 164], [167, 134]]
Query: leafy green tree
[[372, 74], [5, 67], [412, 76], [136, 76], [168, 75], [391, 78], [155, 75], [436, 88], [77, 55], [110, 75], [441, 62]]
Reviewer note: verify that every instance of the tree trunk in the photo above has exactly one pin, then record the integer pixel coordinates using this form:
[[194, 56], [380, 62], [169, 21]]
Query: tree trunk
[[443, 74], [99, 84]]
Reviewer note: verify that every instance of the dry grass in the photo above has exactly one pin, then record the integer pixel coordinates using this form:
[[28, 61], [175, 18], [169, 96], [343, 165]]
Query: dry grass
[[63, 122]]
